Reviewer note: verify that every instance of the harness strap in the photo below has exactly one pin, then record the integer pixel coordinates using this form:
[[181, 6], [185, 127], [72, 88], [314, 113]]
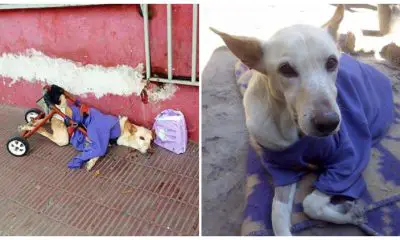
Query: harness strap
[[72, 126], [71, 131], [84, 109]]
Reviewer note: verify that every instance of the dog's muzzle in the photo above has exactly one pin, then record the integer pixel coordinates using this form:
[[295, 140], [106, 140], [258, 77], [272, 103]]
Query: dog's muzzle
[[325, 122]]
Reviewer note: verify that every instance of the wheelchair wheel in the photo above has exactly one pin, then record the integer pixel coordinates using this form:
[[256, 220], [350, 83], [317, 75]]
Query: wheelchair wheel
[[17, 146], [31, 114]]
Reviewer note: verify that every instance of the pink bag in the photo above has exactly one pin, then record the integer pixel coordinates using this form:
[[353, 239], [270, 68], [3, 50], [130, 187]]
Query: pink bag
[[170, 128]]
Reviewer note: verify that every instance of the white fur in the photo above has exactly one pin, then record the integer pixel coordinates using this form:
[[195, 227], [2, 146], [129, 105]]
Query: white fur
[[61, 138], [317, 205], [282, 209], [134, 140], [273, 102]]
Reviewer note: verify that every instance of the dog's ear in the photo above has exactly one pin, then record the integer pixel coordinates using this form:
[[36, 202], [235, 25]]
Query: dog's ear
[[332, 25], [130, 127], [248, 50]]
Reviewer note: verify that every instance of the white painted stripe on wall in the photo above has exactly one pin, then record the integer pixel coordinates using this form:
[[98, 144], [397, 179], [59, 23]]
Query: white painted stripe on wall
[[157, 94], [33, 66]]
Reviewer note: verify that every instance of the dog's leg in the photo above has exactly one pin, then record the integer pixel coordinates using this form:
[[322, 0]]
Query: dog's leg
[[282, 209], [317, 205], [60, 132], [57, 139], [59, 135], [48, 135], [30, 125], [90, 164]]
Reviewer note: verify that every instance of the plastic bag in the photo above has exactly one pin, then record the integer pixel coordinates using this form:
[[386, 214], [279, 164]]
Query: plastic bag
[[171, 132]]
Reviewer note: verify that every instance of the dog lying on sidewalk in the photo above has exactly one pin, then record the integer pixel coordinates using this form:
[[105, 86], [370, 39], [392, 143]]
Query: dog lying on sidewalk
[[310, 108], [101, 129]]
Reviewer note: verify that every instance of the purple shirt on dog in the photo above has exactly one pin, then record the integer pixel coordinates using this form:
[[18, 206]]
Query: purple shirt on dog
[[366, 104], [100, 129]]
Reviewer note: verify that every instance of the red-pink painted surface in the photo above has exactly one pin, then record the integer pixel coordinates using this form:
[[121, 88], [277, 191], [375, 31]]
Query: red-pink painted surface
[[107, 35], [181, 39]]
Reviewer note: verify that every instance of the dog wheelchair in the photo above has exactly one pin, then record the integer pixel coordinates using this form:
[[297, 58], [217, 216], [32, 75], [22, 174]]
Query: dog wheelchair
[[18, 146]]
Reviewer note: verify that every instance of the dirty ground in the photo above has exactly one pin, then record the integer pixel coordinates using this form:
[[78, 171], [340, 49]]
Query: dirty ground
[[126, 193]]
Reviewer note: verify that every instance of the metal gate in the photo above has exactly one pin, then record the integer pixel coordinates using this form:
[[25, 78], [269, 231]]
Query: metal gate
[[194, 81]]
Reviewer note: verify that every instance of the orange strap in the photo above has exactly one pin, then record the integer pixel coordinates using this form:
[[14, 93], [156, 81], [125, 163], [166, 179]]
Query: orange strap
[[70, 130], [84, 109]]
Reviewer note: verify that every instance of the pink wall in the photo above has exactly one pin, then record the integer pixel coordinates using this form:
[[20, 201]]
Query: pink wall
[[105, 35]]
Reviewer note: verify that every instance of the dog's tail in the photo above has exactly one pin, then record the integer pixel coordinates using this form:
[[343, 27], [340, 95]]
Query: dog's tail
[[243, 76]]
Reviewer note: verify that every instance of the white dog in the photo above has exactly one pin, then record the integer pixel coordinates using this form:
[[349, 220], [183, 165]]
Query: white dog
[[292, 94], [133, 136]]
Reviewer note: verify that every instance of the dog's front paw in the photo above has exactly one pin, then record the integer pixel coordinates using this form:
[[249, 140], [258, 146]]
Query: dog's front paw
[[25, 127], [89, 165], [20, 128]]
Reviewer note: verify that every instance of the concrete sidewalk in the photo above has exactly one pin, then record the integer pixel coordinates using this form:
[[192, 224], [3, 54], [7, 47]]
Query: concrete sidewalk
[[131, 194]]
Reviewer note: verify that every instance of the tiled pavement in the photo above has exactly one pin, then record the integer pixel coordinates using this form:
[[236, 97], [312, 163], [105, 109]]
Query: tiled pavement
[[126, 193]]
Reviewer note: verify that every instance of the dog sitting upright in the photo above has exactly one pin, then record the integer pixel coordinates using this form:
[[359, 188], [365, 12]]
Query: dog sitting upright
[[309, 108], [101, 130]]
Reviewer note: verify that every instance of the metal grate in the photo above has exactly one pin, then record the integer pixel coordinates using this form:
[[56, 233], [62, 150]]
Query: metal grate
[[194, 81], [134, 194]]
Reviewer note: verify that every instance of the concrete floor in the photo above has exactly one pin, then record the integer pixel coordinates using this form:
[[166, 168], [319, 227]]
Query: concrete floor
[[131, 193], [224, 147]]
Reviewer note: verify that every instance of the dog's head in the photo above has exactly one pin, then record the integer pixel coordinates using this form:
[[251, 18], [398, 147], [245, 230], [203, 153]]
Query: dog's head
[[301, 64], [134, 136]]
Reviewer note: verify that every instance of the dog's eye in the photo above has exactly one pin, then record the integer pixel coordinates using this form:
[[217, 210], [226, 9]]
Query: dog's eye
[[288, 71], [331, 64], [141, 138]]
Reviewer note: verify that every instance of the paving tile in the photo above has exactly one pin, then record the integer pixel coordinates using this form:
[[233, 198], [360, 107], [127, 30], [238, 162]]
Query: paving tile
[[132, 194]]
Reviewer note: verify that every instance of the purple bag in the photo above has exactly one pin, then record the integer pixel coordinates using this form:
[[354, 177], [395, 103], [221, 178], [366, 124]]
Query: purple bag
[[171, 131]]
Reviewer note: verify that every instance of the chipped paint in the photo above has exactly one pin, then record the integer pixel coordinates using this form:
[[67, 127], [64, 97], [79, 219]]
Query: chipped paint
[[161, 93], [80, 34], [33, 66]]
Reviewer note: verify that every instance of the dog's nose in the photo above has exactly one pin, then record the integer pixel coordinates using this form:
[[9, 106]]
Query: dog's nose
[[326, 122]]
